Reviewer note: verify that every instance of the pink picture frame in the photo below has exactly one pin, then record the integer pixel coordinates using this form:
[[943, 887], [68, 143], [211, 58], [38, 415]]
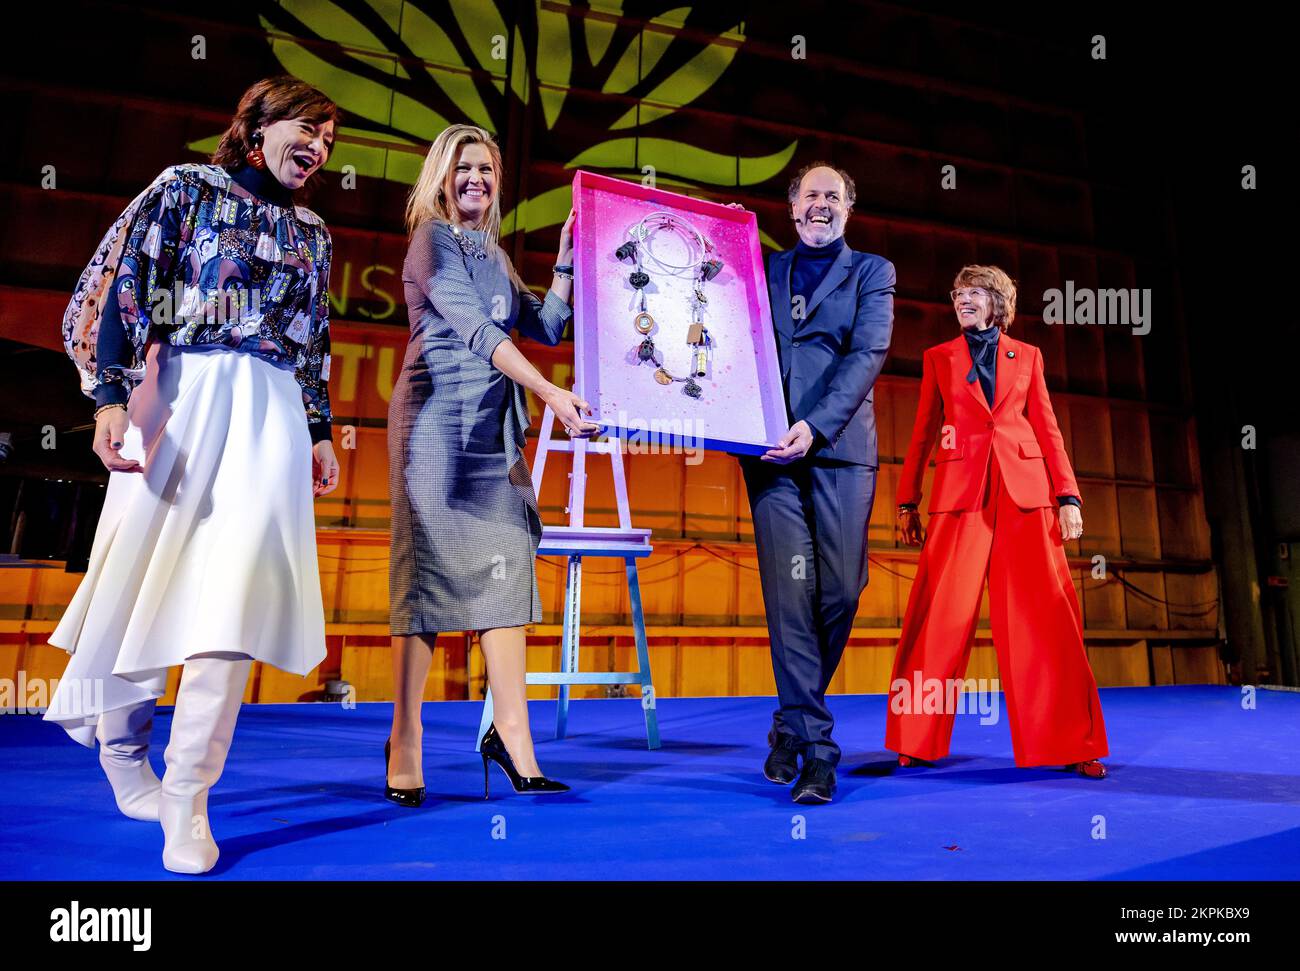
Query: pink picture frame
[[742, 406]]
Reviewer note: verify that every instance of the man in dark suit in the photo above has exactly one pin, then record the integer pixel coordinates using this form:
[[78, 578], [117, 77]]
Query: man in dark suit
[[833, 311]]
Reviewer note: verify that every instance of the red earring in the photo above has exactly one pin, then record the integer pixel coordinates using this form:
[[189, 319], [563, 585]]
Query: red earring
[[254, 156]]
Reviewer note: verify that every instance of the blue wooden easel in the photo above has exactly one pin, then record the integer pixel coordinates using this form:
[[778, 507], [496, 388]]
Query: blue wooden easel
[[576, 541]]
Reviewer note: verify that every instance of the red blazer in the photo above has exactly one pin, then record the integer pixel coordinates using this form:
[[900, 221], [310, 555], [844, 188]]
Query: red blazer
[[1020, 428]]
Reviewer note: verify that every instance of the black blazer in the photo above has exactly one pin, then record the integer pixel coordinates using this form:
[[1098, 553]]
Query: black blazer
[[830, 359]]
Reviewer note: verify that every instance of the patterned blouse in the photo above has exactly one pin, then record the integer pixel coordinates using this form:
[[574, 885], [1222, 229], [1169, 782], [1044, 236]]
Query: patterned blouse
[[211, 259]]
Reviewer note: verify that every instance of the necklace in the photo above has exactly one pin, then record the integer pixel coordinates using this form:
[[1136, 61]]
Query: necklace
[[702, 266], [467, 246]]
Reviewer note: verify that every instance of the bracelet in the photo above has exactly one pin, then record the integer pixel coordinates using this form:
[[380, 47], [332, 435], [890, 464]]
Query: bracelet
[[564, 270], [112, 404]]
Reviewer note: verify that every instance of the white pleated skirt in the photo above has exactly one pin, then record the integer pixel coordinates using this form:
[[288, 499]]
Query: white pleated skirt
[[211, 548]]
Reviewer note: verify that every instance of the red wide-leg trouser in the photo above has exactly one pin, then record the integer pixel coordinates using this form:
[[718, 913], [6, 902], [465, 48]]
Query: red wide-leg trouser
[[1050, 693]]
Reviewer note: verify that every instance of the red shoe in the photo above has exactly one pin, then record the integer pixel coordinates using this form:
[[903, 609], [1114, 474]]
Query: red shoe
[[1092, 769], [912, 762]]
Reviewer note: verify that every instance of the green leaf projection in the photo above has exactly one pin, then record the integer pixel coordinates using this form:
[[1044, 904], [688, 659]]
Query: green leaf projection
[[403, 71]]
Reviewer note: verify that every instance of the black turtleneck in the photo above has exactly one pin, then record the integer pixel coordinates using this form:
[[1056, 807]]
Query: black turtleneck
[[264, 185], [810, 266]]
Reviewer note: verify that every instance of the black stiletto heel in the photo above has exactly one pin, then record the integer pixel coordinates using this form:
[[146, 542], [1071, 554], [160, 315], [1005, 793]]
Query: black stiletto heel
[[411, 798], [493, 749]]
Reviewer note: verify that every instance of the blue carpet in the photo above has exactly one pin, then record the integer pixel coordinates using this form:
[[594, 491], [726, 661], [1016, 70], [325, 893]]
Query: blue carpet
[[1200, 788]]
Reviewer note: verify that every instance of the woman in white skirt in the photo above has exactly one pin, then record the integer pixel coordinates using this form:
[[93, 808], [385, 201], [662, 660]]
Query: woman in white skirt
[[201, 328]]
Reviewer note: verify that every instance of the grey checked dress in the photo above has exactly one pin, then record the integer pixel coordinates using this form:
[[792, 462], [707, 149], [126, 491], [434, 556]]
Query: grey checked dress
[[465, 526]]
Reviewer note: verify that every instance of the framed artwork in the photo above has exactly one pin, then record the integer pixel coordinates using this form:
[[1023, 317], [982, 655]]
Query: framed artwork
[[673, 340]]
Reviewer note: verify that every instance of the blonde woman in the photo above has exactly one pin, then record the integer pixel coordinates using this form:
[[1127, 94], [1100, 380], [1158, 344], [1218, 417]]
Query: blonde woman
[[465, 524]]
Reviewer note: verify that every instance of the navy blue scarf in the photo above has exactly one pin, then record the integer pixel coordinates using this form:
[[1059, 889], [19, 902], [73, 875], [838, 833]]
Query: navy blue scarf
[[983, 345]]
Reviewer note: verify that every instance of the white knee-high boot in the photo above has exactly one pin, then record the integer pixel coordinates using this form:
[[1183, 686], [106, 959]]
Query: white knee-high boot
[[123, 735], [207, 705]]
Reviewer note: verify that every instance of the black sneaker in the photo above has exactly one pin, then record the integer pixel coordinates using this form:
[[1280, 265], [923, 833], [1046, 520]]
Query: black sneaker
[[782, 764], [816, 782]]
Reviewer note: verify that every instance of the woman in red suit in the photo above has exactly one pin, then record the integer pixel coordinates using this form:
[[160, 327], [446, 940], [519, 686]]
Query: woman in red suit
[[1004, 502]]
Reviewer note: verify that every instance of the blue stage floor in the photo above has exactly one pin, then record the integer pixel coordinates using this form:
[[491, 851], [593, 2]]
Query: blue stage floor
[[1199, 789]]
